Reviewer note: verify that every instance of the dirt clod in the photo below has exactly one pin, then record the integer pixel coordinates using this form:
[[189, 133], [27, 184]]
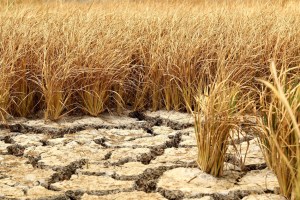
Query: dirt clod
[[16, 150], [147, 181], [8, 139], [65, 173], [172, 194]]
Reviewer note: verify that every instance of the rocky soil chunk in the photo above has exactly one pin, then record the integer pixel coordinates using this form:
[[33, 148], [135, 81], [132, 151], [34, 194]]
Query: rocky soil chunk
[[39, 192], [17, 171], [99, 185], [162, 130], [29, 139], [250, 152], [192, 182], [258, 181], [201, 198], [125, 196], [59, 155], [123, 155], [146, 142], [15, 149], [68, 122], [177, 156], [264, 197], [172, 116], [113, 138], [3, 147], [188, 138], [10, 190]]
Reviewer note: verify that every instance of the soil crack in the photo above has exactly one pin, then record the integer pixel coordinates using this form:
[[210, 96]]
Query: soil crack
[[65, 173]]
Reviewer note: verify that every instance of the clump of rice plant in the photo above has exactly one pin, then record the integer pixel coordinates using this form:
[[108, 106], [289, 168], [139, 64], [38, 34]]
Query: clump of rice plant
[[101, 82], [280, 125], [214, 119], [23, 93], [94, 97], [6, 73], [55, 83], [95, 91]]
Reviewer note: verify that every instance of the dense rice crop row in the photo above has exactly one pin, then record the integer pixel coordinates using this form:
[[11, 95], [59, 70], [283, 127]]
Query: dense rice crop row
[[209, 58], [64, 57]]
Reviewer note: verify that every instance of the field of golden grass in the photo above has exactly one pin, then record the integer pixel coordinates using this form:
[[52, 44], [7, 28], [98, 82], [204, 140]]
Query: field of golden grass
[[94, 57], [209, 58]]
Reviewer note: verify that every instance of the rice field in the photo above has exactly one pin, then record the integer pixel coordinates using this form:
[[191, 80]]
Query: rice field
[[220, 61]]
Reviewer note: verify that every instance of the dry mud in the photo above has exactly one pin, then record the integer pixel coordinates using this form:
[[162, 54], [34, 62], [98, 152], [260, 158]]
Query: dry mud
[[135, 156]]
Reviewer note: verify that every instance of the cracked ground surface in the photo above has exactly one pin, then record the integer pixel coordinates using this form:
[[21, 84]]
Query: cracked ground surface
[[135, 156]]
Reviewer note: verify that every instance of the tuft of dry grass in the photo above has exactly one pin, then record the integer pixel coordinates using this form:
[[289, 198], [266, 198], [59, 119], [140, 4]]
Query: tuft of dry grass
[[6, 84], [23, 93], [280, 124], [216, 116]]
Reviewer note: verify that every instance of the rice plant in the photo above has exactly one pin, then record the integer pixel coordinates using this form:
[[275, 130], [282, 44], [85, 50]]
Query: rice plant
[[23, 92], [56, 92], [216, 116], [280, 126], [6, 84]]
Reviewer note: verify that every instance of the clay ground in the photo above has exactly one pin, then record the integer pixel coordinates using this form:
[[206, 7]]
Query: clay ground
[[134, 156]]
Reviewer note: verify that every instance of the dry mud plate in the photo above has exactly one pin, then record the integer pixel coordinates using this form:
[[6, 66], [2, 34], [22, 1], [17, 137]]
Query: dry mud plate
[[136, 156]]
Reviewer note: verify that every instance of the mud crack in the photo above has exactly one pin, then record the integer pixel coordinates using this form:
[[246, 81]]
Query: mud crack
[[158, 121], [232, 159], [65, 173], [147, 181], [155, 151], [60, 132]]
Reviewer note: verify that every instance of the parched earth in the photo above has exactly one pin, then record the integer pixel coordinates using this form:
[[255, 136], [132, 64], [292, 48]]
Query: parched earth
[[134, 156]]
